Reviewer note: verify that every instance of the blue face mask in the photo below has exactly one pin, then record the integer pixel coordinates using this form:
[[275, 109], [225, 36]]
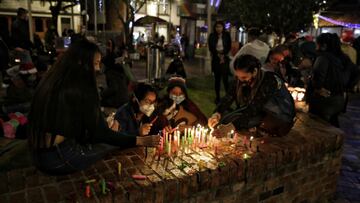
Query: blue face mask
[[177, 99]]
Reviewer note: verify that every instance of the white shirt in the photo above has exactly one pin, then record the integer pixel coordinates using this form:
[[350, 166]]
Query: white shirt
[[256, 48], [220, 45]]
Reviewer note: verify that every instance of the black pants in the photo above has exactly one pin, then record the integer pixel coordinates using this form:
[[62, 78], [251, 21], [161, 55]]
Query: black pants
[[221, 72], [69, 157], [328, 108]]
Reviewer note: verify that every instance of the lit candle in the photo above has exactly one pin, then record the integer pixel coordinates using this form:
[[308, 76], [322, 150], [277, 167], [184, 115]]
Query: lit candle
[[178, 138], [119, 168], [103, 186], [166, 138], [251, 139], [87, 191], [246, 156], [300, 96]]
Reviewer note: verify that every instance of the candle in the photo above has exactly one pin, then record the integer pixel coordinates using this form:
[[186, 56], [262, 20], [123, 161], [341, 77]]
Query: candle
[[246, 156], [169, 149], [103, 186], [232, 134], [251, 139], [119, 168], [87, 191], [178, 138], [139, 177], [162, 144], [90, 181]]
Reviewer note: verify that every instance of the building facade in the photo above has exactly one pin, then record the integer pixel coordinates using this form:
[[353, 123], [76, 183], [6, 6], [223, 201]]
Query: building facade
[[41, 17]]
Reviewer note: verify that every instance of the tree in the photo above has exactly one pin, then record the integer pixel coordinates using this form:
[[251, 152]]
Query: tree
[[127, 19], [280, 15], [56, 6]]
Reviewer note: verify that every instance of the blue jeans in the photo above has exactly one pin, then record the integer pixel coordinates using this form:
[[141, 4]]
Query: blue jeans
[[69, 157]]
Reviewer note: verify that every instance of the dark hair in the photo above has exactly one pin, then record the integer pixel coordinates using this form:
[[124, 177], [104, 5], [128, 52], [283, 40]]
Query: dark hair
[[247, 63], [21, 11], [140, 92], [219, 23], [281, 48], [254, 32], [113, 46], [329, 42], [176, 81], [66, 101], [273, 51]]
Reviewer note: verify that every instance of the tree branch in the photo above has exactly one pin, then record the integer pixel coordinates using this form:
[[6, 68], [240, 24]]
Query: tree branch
[[141, 5], [69, 6]]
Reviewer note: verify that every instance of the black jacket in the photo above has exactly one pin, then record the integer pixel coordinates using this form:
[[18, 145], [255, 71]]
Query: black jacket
[[269, 95], [20, 34], [213, 39]]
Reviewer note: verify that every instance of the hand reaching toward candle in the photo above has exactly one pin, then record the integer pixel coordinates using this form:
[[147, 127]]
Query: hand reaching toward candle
[[223, 130], [168, 129], [148, 141], [181, 127], [145, 129], [214, 120]]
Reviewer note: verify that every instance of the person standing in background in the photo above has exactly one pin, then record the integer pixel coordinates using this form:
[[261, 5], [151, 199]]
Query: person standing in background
[[219, 47], [20, 30]]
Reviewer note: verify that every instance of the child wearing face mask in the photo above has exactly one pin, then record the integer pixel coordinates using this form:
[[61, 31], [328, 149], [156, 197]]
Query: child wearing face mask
[[139, 116], [181, 111]]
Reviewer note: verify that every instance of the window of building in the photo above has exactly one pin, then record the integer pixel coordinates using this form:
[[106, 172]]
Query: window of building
[[164, 7]]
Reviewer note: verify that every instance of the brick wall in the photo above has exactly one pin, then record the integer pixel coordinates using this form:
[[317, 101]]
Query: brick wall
[[301, 167]]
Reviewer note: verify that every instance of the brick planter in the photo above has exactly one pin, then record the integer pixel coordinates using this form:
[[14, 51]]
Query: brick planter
[[301, 167]]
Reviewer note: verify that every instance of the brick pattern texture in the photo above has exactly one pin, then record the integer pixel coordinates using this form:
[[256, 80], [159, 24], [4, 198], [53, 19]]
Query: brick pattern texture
[[301, 167]]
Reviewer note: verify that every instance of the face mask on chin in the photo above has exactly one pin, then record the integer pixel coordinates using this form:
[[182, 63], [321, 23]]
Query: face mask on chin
[[177, 99]]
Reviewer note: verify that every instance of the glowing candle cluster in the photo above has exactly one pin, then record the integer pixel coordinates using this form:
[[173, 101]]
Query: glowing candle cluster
[[176, 141], [297, 93]]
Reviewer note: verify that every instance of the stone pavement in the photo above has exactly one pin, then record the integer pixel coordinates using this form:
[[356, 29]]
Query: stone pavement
[[348, 188]]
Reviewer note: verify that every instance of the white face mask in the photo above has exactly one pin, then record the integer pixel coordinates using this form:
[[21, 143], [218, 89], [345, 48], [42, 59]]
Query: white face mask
[[177, 99], [147, 109]]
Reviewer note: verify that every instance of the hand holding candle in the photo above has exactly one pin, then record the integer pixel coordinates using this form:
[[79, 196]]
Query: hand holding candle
[[145, 129]]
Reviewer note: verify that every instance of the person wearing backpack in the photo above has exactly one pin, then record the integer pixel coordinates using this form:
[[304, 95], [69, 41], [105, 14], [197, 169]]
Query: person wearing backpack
[[262, 102], [328, 83]]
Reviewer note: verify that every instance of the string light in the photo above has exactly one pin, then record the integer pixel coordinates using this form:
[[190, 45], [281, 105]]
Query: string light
[[344, 24]]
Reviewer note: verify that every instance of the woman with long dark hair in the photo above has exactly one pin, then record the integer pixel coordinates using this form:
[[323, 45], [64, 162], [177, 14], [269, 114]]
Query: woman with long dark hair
[[219, 47], [67, 131], [327, 87]]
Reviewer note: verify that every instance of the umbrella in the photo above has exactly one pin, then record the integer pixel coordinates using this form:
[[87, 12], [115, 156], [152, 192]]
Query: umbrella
[[148, 20]]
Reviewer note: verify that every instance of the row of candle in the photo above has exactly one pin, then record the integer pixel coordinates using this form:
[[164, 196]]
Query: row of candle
[[191, 137]]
